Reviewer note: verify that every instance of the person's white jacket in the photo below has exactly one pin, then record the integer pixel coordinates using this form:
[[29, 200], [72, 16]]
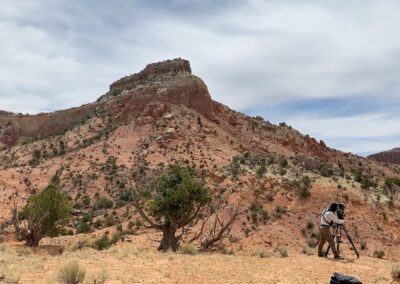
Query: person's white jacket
[[329, 217]]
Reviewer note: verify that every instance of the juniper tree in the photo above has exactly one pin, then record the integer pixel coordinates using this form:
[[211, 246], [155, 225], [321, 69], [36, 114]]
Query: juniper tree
[[45, 214], [171, 200]]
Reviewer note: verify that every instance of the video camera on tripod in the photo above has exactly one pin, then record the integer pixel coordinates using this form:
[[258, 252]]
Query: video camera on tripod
[[338, 228], [340, 210]]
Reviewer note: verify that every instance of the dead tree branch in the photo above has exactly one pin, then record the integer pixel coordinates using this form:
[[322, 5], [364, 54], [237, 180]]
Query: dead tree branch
[[218, 231]]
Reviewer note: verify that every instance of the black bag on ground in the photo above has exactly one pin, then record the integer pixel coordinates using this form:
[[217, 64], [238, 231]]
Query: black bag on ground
[[338, 278]]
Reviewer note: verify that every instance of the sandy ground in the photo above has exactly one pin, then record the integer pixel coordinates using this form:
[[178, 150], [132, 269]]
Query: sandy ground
[[128, 263]]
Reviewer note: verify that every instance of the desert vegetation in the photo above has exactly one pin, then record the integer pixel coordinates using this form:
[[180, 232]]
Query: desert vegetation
[[177, 198], [45, 214], [132, 177]]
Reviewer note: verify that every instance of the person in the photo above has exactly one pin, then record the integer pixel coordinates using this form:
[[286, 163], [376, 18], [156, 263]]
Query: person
[[328, 218]]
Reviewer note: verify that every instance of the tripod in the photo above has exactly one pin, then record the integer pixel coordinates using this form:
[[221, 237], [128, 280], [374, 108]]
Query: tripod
[[337, 236]]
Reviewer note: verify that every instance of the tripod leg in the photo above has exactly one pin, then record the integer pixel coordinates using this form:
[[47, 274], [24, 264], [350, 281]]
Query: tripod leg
[[350, 241], [338, 237]]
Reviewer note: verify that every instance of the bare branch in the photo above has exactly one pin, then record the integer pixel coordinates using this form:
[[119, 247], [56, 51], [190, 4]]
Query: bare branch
[[216, 236], [201, 230], [191, 218], [15, 219], [145, 217]]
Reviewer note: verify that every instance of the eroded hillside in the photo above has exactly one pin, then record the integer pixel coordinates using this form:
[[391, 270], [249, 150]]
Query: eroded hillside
[[163, 115]]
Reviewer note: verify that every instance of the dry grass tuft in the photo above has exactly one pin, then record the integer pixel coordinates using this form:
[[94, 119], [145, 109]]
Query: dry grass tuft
[[307, 250], [10, 273], [282, 250], [188, 249], [99, 278], [3, 248], [71, 273], [259, 252]]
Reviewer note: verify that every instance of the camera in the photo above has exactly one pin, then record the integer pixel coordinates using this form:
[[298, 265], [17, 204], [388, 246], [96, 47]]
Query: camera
[[340, 210]]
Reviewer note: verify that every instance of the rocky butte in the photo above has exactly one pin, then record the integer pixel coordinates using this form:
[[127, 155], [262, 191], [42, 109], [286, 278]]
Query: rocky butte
[[146, 92]]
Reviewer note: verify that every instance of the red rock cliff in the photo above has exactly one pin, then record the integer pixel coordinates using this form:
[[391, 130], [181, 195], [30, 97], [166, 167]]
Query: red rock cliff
[[143, 93]]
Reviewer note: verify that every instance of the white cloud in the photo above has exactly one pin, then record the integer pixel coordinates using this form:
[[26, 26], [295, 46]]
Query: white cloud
[[250, 53], [358, 126], [366, 133]]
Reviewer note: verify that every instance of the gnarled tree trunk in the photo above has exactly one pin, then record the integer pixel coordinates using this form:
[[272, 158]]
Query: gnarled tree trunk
[[169, 241], [31, 238]]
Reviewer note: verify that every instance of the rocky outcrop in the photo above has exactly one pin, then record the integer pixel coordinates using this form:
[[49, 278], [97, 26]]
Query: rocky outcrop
[[152, 70], [391, 157], [8, 135], [14, 127], [145, 94], [167, 82]]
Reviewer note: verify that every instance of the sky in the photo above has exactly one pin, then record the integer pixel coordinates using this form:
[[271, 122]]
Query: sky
[[329, 68]]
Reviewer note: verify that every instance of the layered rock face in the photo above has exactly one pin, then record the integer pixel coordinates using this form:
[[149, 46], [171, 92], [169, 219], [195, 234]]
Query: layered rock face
[[152, 70], [167, 82], [15, 127], [392, 156], [144, 94]]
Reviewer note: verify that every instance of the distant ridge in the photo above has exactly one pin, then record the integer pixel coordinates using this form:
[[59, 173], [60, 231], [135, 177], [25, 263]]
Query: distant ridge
[[391, 156]]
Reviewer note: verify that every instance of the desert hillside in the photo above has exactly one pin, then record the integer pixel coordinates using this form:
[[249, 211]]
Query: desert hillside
[[391, 156], [164, 114]]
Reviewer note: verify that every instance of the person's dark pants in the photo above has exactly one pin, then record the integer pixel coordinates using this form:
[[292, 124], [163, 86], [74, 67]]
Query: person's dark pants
[[326, 236]]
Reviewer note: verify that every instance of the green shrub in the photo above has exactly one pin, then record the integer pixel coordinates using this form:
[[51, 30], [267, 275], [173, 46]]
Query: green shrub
[[246, 232], [280, 211], [283, 163], [104, 203], [310, 225], [130, 225], [36, 156], [102, 243], [139, 223], [326, 170], [109, 221], [364, 181], [367, 183], [46, 214], [235, 169], [303, 187], [392, 181], [86, 200], [71, 273], [105, 242], [269, 196], [363, 245], [126, 195], [84, 227], [261, 170], [379, 253], [258, 213]]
